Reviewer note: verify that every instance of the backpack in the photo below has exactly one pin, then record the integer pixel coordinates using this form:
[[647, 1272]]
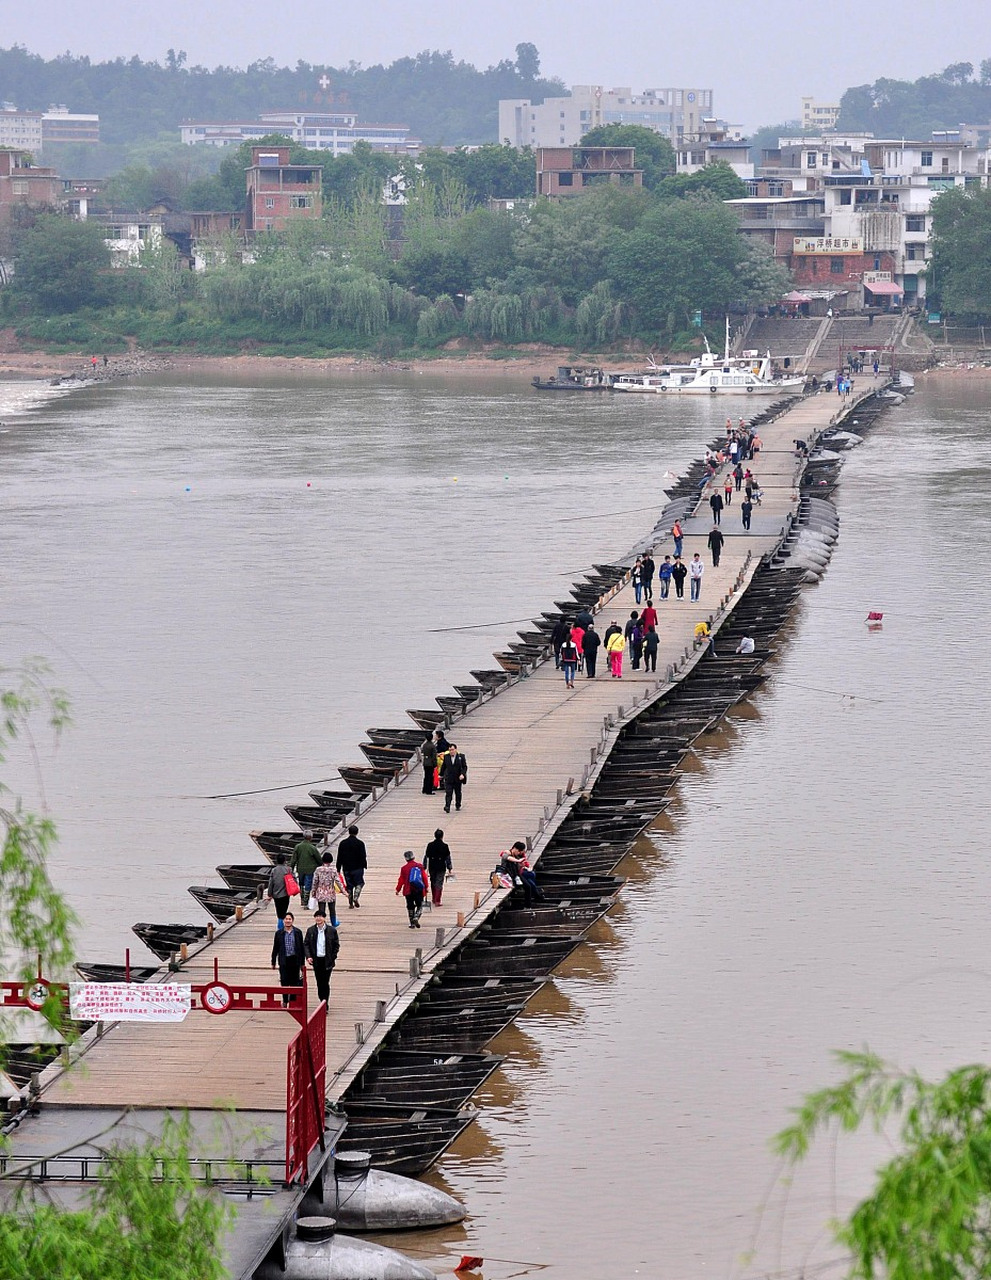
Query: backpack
[[415, 877]]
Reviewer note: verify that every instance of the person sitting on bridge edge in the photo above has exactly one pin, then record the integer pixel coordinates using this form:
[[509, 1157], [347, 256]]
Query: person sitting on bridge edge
[[321, 945], [288, 954], [516, 865], [746, 645], [413, 885]]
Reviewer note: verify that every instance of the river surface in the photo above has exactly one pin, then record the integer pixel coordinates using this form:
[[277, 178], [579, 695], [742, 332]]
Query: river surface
[[232, 581]]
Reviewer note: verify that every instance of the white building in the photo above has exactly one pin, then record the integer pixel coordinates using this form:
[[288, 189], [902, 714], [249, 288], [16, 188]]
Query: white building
[[336, 132], [716, 143], [20, 130], [819, 115], [562, 122]]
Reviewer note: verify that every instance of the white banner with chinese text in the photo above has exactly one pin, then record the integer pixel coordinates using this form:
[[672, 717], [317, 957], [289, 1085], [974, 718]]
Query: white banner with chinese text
[[128, 1002]]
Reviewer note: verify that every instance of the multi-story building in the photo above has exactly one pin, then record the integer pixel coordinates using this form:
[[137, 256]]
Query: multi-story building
[[563, 122], [715, 142], [278, 192], [821, 116], [876, 195], [59, 124], [20, 129], [22, 182], [568, 171], [336, 132]]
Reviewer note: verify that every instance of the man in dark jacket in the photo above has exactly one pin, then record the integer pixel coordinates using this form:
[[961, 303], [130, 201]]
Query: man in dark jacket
[[583, 618], [288, 954], [590, 650], [321, 944], [453, 776], [679, 572], [715, 541], [352, 861], [716, 503], [647, 568], [437, 860], [561, 632], [429, 753]]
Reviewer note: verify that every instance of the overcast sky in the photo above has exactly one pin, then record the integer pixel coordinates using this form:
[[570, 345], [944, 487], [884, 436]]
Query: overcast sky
[[759, 59]]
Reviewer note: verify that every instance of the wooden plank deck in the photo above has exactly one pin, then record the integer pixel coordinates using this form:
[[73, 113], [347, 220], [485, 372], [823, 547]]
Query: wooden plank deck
[[522, 747]]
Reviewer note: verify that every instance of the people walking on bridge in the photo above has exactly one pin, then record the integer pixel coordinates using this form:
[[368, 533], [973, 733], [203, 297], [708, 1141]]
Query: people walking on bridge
[[321, 946], [647, 568], [664, 577], [695, 571], [648, 618], [437, 861], [615, 645], [324, 888], [352, 863], [583, 618], [577, 636], [561, 632], [305, 860], [716, 503], [590, 651], [454, 774], [738, 476], [633, 633], [728, 490], [715, 541], [679, 536], [569, 663], [650, 644], [679, 572], [746, 511], [637, 581], [428, 754], [412, 884], [278, 890], [288, 954]]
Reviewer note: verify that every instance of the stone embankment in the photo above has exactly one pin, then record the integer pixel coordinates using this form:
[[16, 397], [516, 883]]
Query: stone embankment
[[110, 368]]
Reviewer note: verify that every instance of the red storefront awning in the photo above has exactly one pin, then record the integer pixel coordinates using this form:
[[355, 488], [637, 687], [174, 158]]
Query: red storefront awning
[[885, 287]]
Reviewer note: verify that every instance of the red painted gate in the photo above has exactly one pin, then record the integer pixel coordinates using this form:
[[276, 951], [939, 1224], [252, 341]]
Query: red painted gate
[[306, 1087]]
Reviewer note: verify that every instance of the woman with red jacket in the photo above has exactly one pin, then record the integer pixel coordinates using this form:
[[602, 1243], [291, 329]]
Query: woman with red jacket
[[413, 885]]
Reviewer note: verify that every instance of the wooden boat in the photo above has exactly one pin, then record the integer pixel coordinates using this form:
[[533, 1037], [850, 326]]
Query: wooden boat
[[451, 705], [467, 1032], [514, 953], [490, 679], [391, 758], [574, 377], [363, 780], [588, 862], [428, 720], [244, 876], [342, 801], [314, 817], [402, 1139], [469, 692], [165, 939], [512, 663], [451, 990], [115, 972], [274, 842], [395, 737], [222, 903], [416, 1078]]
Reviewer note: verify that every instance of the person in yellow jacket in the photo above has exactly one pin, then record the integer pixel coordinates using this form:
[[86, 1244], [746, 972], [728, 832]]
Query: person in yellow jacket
[[614, 648]]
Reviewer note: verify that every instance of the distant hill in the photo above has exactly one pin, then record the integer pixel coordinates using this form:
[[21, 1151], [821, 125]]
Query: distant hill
[[443, 101], [912, 109]]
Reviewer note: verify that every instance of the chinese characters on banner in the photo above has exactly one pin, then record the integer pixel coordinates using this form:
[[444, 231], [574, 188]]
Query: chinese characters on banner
[[129, 1002]]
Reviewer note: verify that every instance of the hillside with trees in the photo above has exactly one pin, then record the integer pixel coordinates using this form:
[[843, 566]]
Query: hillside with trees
[[912, 109], [444, 101]]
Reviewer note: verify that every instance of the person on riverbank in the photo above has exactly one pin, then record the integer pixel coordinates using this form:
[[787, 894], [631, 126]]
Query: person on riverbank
[[413, 885], [679, 537], [454, 774], [288, 955], [569, 663], [664, 577], [321, 947], [428, 754], [651, 641], [746, 511], [615, 646], [695, 571], [590, 651], [305, 860], [679, 572], [647, 568], [715, 541], [637, 581], [716, 503], [278, 890], [437, 861], [352, 863], [562, 630], [728, 490], [324, 888]]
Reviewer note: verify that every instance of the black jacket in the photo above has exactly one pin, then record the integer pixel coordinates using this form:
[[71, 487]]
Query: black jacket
[[351, 854], [591, 641], [333, 945], [279, 945], [679, 571], [562, 629], [437, 859], [715, 539], [583, 619], [429, 753], [453, 768]]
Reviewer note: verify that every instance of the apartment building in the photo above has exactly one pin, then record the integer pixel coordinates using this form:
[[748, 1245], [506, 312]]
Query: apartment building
[[33, 130], [25, 183], [569, 171], [278, 192], [563, 122], [336, 132], [822, 116]]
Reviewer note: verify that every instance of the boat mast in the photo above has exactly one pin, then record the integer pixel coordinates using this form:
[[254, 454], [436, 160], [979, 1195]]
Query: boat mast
[[726, 352]]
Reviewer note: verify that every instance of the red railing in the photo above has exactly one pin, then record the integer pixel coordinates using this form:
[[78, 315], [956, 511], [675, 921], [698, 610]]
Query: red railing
[[306, 1088]]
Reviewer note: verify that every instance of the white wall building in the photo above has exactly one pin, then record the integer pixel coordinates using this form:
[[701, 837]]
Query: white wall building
[[562, 122], [336, 132], [819, 115], [20, 130]]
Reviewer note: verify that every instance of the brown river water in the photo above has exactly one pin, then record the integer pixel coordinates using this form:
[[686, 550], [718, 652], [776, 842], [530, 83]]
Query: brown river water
[[232, 581]]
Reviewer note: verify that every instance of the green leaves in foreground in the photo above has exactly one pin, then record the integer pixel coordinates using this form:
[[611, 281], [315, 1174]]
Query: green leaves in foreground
[[149, 1220], [929, 1217]]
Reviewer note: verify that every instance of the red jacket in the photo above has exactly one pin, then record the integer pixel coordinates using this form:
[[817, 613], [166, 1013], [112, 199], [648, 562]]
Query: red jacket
[[649, 617], [403, 881]]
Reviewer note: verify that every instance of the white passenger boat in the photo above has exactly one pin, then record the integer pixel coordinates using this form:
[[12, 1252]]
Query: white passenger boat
[[712, 374]]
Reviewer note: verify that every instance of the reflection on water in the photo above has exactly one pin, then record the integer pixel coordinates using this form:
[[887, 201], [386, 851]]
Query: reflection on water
[[818, 881]]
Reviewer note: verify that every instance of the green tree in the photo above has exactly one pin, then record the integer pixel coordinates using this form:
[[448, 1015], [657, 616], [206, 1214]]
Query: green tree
[[761, 277], [60, 265], [527, 62], [716, 179], [928, 1215], [655, 154], [960, 271]]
